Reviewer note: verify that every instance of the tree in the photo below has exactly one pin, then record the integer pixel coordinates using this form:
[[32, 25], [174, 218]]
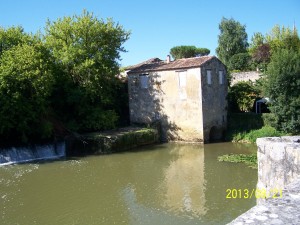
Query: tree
[[86, 52], [240, 61], [282, 37], [13, 36], [187, 51], [262, 55], [25, 86], [232, 39], [256, 40], [282, 85]]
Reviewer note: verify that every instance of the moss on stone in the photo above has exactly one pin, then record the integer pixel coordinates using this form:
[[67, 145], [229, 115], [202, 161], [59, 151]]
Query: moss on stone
[[113, 141]]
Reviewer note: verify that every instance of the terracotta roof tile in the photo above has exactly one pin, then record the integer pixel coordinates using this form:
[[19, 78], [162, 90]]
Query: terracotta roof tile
[[155, 64]]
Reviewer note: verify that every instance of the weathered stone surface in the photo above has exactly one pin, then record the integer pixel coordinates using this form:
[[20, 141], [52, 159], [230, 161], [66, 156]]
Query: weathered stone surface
[[278, 171], [187, 112], [244, 76], [278, 162], [112, 141], [283, 210]]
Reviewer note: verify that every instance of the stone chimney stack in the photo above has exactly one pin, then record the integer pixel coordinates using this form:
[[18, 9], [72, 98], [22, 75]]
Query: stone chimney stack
[[168, 59]]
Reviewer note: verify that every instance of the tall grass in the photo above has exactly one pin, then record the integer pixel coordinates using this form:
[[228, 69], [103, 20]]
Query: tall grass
[[252, 135]]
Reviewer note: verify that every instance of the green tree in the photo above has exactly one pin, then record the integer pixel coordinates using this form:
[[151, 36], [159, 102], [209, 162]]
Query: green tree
[[256, 40], [282, 37], [282, 85], [187, 51], [25, 86], [240, 61], [241, 96], [13, 36], [86, 52], [232, 39]]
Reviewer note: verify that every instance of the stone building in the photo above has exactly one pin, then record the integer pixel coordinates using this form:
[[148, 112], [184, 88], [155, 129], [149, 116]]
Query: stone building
[[188, 97]]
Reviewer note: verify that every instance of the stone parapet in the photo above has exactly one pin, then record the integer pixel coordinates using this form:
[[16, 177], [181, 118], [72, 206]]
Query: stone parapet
[[278, 162], [279, 179]]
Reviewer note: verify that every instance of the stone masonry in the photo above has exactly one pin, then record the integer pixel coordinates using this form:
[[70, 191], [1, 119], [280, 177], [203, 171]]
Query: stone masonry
[[279, 176], [244, 76], [187, 96]]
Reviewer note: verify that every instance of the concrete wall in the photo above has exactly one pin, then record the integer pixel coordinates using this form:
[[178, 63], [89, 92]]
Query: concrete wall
[[244, 76], [214, 101]]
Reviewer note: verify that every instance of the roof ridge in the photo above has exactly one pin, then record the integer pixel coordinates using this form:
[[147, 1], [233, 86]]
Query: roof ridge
[[156, 64]]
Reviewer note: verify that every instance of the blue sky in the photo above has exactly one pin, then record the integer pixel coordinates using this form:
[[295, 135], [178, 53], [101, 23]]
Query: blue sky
[[158, 25]]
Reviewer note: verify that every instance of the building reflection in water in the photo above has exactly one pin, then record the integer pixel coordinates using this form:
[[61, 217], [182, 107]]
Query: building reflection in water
[[176, 188], [184, 182]]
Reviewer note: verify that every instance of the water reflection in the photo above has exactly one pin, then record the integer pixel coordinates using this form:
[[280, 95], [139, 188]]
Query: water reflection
[[164, 184], [184, 182]]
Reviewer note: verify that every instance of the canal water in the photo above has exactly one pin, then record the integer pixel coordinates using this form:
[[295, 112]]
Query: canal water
[[162, 184]]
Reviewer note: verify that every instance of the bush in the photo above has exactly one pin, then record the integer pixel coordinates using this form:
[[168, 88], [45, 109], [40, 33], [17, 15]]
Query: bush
[[252, 135], [241, 97], [265, 131], [269, 119]]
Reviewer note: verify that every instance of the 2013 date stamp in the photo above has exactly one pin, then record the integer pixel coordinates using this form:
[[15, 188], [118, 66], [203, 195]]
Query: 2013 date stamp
[[233, 193]]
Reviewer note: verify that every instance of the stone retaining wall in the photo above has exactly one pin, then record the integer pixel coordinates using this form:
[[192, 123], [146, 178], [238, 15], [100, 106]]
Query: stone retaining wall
[[244, 76], [278, 179], [111, 141]]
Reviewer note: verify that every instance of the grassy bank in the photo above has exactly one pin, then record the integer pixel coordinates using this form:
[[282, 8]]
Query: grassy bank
[[252, 135], [247, 127]]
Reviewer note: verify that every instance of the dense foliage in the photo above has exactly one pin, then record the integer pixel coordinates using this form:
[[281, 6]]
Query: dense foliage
[[239, 61], [65, 80], [232, 40], [86, 51], [277, 55], [187, 51], [241, 97], [25, 86], [282, 85]]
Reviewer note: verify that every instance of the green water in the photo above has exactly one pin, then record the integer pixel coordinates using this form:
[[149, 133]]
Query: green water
[[163, 184]]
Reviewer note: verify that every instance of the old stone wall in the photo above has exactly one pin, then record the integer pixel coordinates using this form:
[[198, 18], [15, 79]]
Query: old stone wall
[[214, 101], [244, 76], [279, 180], [187, 106], [112, 141], [177, 107]]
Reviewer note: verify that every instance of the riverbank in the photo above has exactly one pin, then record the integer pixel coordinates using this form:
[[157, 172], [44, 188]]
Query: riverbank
[[247, 128], [112, 141]]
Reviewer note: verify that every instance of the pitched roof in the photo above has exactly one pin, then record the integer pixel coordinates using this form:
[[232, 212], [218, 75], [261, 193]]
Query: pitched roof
[[156, 64]]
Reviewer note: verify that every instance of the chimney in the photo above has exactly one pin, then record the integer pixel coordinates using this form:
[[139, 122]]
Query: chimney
[[168, 59]]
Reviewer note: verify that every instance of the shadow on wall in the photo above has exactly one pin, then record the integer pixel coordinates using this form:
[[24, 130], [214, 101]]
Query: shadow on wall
[[168, 129], [216, 134]]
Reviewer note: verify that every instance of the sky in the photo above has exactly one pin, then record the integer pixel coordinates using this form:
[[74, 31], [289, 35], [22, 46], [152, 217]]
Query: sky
[[158, 25]]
